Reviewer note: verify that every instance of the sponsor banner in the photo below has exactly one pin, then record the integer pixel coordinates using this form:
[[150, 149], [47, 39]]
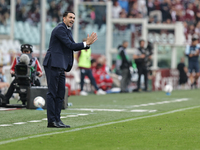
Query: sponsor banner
[[162, 77]]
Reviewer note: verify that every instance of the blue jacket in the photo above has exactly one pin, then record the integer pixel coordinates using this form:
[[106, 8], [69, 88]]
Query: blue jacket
[[61, 47]]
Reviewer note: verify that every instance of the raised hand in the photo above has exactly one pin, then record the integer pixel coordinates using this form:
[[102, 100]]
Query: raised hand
[[91, 39]]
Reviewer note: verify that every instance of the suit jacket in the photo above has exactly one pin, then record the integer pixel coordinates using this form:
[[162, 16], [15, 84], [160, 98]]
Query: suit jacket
[[61, 47]]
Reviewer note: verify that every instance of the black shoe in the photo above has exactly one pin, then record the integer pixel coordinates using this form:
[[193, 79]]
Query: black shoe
[[62, 125], [192, 85], [123, 91], [145, 90], [136, 90], [53, 125], [195, 84]]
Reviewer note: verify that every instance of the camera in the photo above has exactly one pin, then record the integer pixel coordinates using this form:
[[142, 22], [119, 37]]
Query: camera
[[25, 75]]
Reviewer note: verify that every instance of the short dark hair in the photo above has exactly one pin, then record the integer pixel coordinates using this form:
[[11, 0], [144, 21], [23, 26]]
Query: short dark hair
[[67, 12], [141, 40], [26, 47], [124, 41]]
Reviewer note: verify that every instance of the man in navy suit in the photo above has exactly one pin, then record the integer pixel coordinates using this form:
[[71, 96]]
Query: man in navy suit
[[58, 59]]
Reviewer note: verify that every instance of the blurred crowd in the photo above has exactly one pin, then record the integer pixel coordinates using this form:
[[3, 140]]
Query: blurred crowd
[[55, 9], [4, 12], [158, 11], [161, 11], [29, 10]]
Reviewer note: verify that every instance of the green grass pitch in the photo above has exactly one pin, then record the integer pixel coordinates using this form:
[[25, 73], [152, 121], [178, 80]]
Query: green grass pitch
[[146, 121]]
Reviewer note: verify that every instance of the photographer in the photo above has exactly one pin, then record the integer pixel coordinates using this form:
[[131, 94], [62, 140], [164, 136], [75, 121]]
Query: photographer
[[143, 61], [26, 49]]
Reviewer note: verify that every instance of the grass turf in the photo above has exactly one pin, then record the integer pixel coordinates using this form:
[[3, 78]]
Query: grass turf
[[178, 130], [173, 131]]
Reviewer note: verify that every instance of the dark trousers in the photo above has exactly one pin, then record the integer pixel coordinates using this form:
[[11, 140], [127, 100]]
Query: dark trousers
[[144, 71], [87, 72], [56, 92], [125, 79]]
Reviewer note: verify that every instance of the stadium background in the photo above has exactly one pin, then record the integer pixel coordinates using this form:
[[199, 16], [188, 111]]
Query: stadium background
[[168, 24]]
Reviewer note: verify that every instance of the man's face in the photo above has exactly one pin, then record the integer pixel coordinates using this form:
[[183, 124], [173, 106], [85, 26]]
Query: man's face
[[195, 42], [125, 44], [26, 51], [69, 19], [142, 43]]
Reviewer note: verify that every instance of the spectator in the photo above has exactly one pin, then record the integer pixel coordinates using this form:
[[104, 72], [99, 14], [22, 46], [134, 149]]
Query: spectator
[[70, 5], [122, 26], [100, 13], [134, 11], [165, 9], [3, 7], [173, 14], [4, 13], [150, 6], [20, 11], [189, 14], [130, 3], [35, 4], [178, 5], [124, 4], [116, 9], [52, 10], [180, 15], [197, 14], [142, 8], [156, 4]]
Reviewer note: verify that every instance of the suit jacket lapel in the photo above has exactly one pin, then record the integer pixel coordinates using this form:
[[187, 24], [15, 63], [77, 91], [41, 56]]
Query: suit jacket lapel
[[69, 32]]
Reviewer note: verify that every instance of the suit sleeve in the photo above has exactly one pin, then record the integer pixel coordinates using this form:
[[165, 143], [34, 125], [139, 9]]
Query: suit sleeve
[[63, 36]]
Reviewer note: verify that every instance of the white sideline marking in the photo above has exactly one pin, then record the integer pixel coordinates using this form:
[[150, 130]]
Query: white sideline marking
[[5, 125], [90, 109], [35, 121], [142, 110], [95, 126], [159, 103], [72, 116], [139, 110], [82, 114], [62, 117], [152, 110], [20, 123], [32, 121]]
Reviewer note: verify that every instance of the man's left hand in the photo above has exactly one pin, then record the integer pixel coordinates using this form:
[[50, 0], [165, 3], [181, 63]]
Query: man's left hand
[[91, 39]]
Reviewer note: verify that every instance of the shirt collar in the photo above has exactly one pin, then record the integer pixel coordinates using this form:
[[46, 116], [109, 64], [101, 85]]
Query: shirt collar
[[68, 27]]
